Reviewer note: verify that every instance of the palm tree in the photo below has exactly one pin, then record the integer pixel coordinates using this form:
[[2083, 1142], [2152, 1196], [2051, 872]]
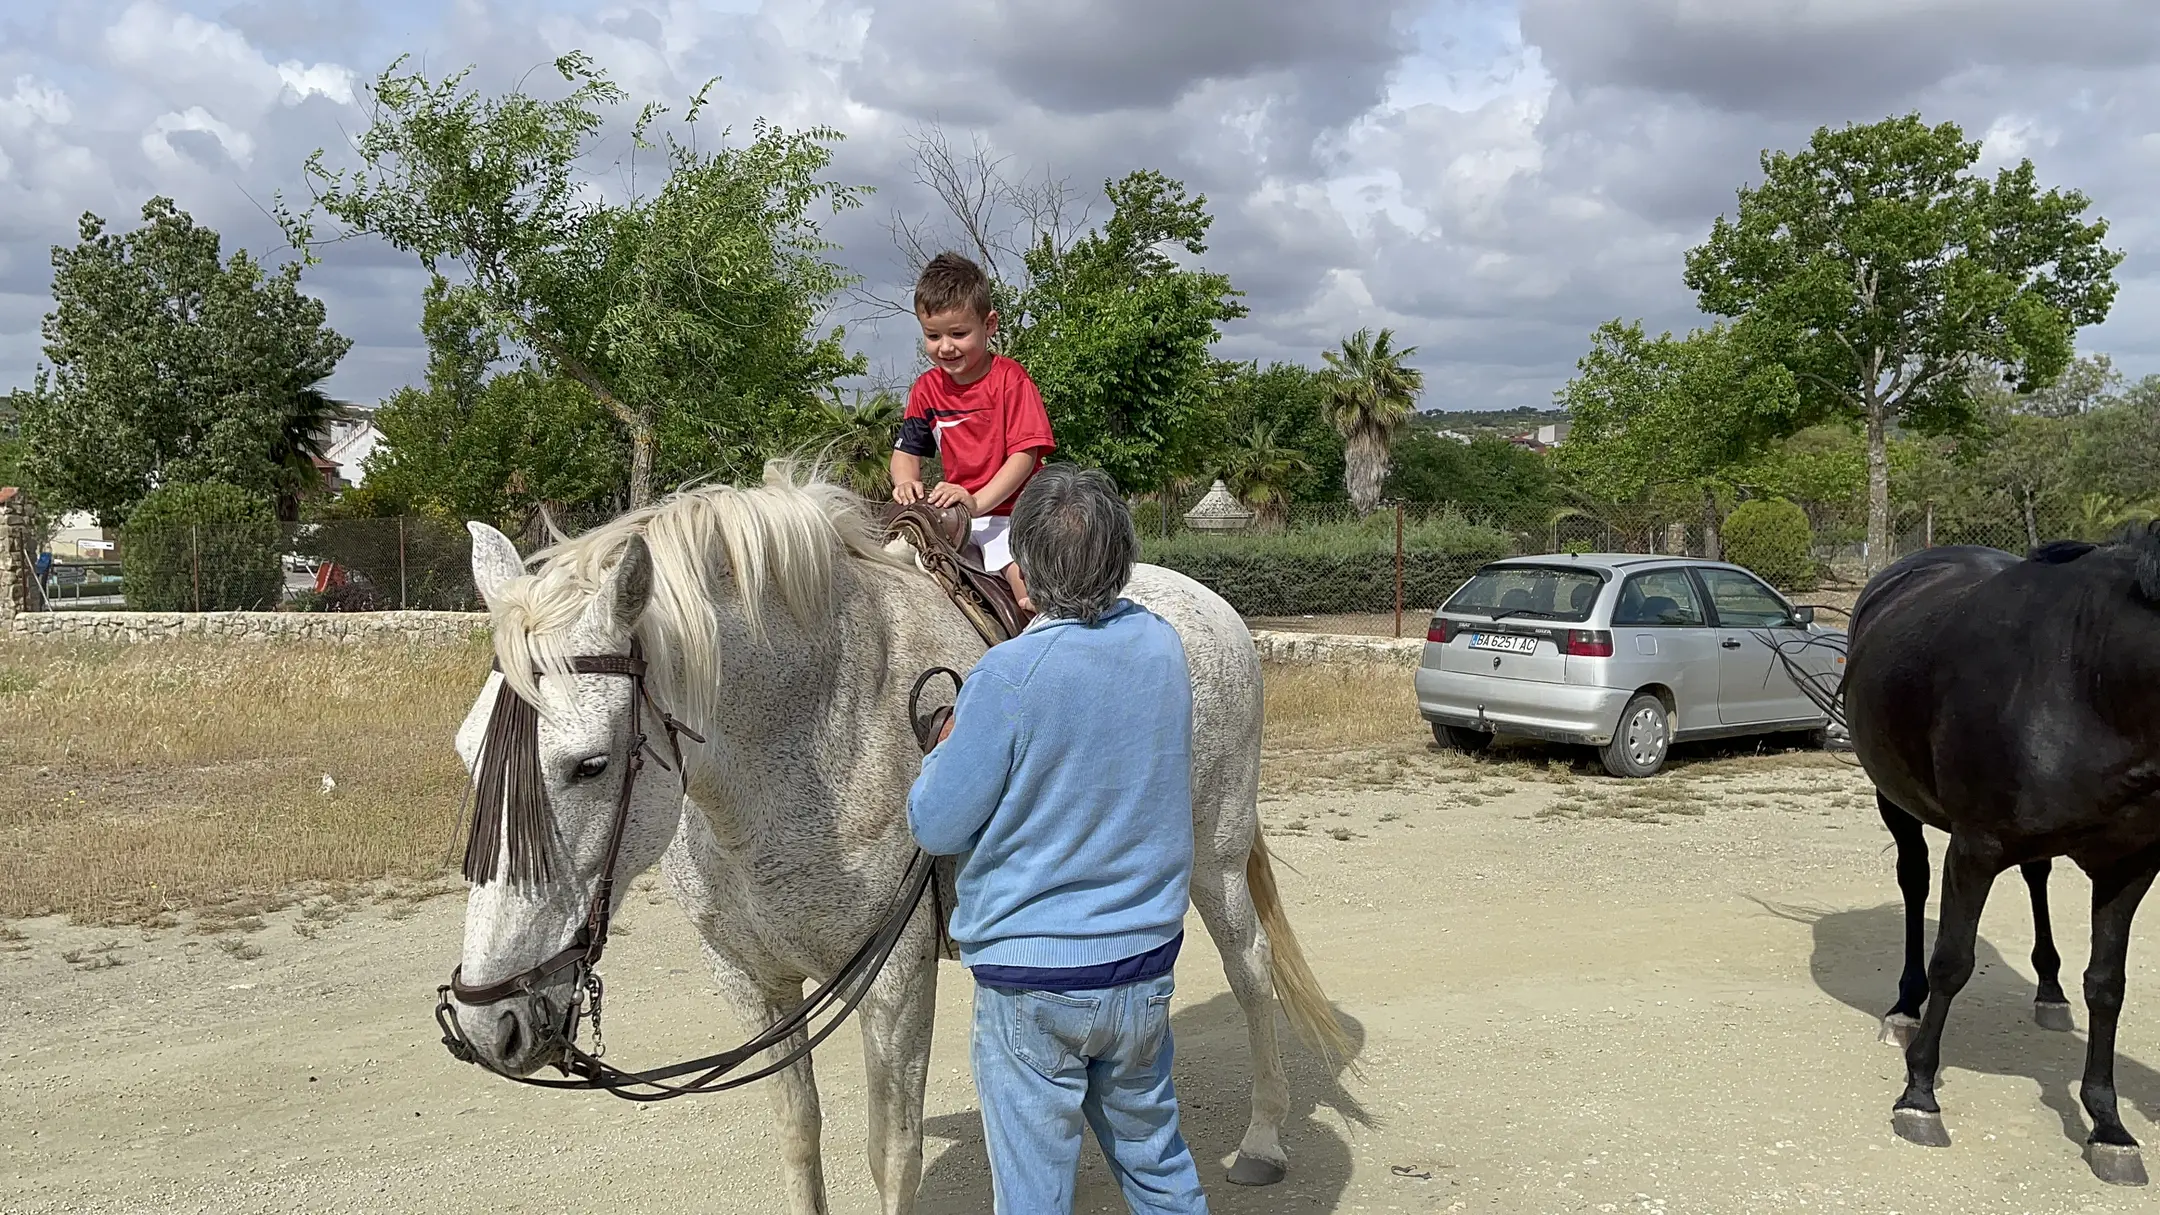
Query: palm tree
[[1370, 393], [303, 438], [856, 441], [1260, 469]]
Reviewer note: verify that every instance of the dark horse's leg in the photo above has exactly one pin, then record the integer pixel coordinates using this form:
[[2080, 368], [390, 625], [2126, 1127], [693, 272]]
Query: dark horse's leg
[[1968, 871], [2111, 1151], [1912, 880], [2051, 1008]]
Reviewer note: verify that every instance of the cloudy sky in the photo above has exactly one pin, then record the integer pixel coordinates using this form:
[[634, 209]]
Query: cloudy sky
[[1492, 178]]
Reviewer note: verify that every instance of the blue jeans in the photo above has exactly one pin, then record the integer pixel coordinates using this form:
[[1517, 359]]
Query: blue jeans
[[1047, 1060]]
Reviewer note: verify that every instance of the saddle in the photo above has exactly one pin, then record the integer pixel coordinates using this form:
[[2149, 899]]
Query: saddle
[[939, 536]]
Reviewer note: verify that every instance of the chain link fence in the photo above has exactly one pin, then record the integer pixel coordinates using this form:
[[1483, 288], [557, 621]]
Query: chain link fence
[[1318, 567]]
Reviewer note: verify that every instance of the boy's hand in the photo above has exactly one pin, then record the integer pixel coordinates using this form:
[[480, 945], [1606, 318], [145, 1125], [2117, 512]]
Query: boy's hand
[[951, 493], [905, 492]]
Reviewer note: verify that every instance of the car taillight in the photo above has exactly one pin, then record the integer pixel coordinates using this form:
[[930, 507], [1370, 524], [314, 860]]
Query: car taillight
[[1441, 632], [1589, 643]]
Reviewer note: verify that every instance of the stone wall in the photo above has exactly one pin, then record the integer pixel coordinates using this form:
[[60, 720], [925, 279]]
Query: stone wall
[[457, 628], [423, 628], [18, 540], [1335, 647]]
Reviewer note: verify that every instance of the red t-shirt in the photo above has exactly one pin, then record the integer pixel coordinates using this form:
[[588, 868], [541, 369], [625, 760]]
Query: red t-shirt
[[974, 428]]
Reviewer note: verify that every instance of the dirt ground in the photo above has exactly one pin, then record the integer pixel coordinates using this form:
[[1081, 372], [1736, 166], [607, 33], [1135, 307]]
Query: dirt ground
[[1570, 995]]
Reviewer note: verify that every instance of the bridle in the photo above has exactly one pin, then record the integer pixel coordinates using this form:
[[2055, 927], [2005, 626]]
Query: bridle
[[509, 798]]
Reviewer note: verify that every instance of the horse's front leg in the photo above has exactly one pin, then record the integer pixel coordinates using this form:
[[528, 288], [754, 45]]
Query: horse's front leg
[[759, 1002], [2111, 1151], [2051, 1008], [897, 1016]]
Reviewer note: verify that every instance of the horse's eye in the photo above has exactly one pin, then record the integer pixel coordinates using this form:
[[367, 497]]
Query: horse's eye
[[589, 768]]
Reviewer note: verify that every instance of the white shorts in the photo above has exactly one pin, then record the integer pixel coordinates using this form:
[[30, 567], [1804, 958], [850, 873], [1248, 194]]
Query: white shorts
[[994, 534]]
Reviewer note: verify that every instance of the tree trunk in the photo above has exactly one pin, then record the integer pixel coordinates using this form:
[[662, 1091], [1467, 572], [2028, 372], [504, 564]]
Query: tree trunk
[[641, 455], [1365, 468], [1713, 546], [1878, 486]]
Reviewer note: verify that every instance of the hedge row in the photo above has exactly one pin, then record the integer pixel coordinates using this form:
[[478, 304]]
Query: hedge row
[[1331, 569]]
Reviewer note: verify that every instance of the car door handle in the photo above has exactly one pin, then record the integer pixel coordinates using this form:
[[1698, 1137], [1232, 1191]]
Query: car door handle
[[1730, 643]]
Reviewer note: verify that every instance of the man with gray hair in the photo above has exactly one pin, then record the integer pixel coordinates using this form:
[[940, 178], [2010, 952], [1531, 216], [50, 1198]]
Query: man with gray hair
[[1073, 825]]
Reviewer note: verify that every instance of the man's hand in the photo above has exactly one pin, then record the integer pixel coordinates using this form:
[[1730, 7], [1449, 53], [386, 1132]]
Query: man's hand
[[905, 492], [952, 493], [946, 732]]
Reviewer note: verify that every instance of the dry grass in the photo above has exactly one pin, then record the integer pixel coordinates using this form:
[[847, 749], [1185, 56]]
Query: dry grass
[[147, 779]]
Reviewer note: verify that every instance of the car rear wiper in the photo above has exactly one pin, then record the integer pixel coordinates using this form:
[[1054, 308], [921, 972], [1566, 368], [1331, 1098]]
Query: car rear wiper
[[1504, 613]]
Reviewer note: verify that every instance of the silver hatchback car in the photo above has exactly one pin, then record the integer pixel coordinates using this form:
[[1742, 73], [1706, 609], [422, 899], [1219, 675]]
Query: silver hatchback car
[[1622, 652]]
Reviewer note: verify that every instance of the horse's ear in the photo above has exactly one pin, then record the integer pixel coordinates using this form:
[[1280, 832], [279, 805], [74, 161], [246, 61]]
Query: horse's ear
[[620, 602], [494, 560]]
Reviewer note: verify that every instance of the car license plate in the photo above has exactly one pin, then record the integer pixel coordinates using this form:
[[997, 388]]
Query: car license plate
[[1506, 643]]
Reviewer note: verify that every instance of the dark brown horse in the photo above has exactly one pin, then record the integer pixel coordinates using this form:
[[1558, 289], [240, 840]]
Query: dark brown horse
[[2016, 705]]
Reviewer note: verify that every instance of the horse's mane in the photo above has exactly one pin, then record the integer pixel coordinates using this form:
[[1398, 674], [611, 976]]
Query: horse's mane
[[2140, 542], [784, 537]]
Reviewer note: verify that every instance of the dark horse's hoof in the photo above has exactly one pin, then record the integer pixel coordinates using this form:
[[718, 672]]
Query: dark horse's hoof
[[1923, 1127], [1251, 1170], [1898, 1030], [2116, 1164], [2053, 1016]]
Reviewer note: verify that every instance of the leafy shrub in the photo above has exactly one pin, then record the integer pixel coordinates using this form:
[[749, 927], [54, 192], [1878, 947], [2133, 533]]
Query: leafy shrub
[[204, 547], [1331, 568], [1772, 537]]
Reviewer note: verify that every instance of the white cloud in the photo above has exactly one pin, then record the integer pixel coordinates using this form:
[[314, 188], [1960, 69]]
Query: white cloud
[[157, 143]]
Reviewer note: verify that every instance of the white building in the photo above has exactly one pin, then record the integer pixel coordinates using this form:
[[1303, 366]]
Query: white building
[[351, 442]]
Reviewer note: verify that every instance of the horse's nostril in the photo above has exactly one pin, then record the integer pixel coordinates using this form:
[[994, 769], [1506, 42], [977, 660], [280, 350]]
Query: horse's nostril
[[512, 1034]]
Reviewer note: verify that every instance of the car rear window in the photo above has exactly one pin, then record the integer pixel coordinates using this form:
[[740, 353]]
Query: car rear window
[[1531, 592]]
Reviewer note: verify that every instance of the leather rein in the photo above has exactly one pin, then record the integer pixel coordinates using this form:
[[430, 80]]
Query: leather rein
[[511, 736]]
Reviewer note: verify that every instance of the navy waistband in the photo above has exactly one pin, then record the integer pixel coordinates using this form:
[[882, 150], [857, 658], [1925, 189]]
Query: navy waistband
[[1153, 964]]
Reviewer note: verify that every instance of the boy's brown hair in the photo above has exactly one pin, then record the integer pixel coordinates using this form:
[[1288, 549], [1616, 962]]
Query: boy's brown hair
[[951, 281]]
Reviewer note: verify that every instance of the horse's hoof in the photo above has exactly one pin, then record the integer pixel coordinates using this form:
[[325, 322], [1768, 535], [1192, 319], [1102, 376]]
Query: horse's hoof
[[2057, 1017], [2116, 1164], [1252, 1170], [1923, 1127], [1898, 1030]]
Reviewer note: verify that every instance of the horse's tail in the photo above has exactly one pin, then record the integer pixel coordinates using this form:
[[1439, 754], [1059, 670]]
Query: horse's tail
[[1312, 1017]]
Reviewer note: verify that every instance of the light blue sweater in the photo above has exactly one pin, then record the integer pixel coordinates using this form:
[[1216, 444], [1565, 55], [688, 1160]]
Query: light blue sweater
[[1066, 789]]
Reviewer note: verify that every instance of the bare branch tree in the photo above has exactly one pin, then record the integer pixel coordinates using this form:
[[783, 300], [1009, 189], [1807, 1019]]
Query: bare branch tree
[[983, 210]]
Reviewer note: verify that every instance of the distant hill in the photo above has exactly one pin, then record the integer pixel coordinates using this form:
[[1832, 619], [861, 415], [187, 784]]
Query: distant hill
[[1498, 422]]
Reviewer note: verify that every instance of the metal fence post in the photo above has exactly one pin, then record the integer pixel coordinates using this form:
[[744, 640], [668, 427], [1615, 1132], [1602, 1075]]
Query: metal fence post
[[401, 562], [195, 562], [1398, 569]]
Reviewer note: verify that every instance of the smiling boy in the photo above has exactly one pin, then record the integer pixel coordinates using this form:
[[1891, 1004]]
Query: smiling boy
[[975, 410]]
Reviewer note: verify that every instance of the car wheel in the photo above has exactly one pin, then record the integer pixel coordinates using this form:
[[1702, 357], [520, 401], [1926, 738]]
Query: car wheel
[[1638, 747], [1457, 739]]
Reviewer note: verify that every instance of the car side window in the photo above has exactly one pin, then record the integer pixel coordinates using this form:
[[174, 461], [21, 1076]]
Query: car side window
[[1744, 603], [1659, 599]]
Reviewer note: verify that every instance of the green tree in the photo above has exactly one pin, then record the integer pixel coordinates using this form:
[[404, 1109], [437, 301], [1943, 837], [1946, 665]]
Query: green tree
[[1487, 478], [1261, 470], [11, 443], [1884, 273], [1292, 400], [1370, 394], [1774, 538], [1671, 417], [491, 447], [856, 441], [689, 313], [170, 365], [1116, 334], [2116, 442]]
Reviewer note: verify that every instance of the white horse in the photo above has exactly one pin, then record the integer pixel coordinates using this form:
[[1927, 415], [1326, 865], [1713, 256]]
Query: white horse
[[779, 629]]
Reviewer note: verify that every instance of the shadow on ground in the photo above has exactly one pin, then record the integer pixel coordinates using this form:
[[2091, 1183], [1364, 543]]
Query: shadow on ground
[[1856, 961], [1214, 1097]]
